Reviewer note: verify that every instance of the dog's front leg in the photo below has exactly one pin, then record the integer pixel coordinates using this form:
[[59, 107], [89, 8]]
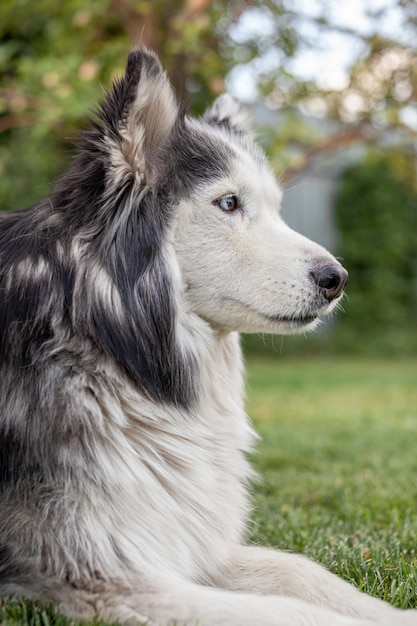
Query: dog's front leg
[[269, 572], [170, 602]]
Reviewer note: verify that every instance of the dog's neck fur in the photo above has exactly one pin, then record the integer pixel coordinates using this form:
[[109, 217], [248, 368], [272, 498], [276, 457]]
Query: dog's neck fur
[[217, 436]]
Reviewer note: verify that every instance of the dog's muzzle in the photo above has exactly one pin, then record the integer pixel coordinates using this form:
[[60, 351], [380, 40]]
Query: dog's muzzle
[[330, 279]]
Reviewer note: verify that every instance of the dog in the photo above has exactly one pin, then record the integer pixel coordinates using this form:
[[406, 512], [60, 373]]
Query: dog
[[123, 435]]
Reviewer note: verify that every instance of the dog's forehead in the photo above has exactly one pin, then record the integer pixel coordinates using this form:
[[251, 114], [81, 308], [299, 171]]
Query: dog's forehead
[[255, 176], [252, 177], [231, 158]]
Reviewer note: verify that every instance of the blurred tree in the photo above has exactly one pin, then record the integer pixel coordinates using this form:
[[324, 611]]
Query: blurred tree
[[376, 210], [54, 56]]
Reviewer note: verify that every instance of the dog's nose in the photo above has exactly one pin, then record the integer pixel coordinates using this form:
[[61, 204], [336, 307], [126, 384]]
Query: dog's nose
[[331, 280]]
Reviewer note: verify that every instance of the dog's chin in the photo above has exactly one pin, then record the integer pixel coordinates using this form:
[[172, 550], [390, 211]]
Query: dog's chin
[[256, 322], [292, 325], [298, 323], [248, 319]]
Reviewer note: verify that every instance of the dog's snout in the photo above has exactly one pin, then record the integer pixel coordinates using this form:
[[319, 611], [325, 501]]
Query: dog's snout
[[331, 279]]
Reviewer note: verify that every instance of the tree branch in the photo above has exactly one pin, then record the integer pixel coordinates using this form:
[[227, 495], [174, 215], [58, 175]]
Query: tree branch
[[15, 121], [337, 141]]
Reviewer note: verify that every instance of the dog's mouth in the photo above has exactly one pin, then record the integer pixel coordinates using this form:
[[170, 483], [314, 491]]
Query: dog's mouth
[[302, 320], [292, 322]]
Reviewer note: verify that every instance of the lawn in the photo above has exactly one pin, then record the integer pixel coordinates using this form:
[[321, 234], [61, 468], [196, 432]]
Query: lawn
[[337, 468]]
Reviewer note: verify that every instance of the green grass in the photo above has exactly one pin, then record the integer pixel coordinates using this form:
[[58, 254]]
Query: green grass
[[337, 470], [338, 467]]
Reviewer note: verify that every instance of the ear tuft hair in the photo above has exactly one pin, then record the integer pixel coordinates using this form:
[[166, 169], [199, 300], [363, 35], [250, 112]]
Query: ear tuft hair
[[227, 112], [138, 116]]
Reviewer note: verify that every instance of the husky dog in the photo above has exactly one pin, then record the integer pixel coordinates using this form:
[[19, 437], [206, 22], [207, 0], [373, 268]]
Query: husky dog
[[123, 435]]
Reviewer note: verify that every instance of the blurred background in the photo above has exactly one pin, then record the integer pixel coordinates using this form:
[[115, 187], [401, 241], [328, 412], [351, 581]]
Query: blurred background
[[333, 92]]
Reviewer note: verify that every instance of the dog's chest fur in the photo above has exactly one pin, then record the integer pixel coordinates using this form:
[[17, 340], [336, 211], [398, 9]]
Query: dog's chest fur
[[173, 484]]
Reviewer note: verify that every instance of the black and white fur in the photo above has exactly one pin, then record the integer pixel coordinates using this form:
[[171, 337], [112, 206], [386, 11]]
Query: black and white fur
[[123, 435]]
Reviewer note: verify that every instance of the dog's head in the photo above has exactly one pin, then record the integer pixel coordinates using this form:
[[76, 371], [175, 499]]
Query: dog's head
[[244, 268], [209, 185]]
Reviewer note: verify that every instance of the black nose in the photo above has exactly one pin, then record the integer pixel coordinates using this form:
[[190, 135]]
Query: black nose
[[331, 280]]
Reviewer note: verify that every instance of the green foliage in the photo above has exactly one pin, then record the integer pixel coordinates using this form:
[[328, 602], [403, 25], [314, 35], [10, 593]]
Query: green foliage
[[376, 211], [52, 61], [54, 57]]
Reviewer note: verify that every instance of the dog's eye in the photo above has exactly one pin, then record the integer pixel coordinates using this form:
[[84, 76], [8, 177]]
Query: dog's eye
[[228, 203]]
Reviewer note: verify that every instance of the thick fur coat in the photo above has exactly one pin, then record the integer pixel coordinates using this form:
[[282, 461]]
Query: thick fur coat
[[123, 435]]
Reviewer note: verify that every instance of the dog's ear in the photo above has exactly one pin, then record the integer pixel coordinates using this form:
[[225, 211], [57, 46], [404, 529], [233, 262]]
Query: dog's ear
[[129, 297], [227, 112], [139, 115]]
